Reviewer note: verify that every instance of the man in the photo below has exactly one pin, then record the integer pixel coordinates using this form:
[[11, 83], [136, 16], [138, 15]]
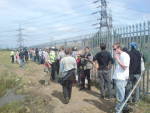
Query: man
[[26, 54], [121, 74], [52, 56], [46, 61], [21, 57], [68, 67], [37, 55], [74, 52], [80, 66], [61, 54], [104, 60], [17, 57], [12, 55], [135, 69], [40, 56], [87, 59]]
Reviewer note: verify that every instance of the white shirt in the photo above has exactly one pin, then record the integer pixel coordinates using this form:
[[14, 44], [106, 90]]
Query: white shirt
[[61, 55], [74, 54], [67, 63], [40, 53], [120, 73], [46, 56], [12, 53]]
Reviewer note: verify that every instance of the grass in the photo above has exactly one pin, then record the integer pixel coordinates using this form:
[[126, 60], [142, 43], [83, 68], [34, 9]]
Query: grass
[[29, 105], [144, 104], [11, 77], [8, 80], [15, 107]]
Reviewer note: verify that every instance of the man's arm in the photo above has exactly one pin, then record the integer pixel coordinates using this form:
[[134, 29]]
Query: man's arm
[[95, 63], [111, 59]]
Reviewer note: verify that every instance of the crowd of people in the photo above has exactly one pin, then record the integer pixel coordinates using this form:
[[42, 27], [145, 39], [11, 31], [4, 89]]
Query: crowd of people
[[72, 65]]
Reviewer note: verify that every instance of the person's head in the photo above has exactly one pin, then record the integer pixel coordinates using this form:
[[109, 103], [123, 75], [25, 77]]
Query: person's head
[[62, 48], [133, 45], [75, 49], [125, 49], [68, 51], [117, 48], [53, 48], [87, 49], [21, 49], [103, 46]]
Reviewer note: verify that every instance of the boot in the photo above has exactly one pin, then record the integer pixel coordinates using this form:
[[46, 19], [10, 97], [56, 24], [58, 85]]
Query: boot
[[66, 100]]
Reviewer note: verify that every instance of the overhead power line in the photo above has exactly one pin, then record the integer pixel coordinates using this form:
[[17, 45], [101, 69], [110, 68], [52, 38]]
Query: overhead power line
[[58, 16], [74, 26]]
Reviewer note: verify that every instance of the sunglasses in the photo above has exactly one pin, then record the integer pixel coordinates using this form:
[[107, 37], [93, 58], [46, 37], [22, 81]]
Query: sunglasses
[[114, 49]]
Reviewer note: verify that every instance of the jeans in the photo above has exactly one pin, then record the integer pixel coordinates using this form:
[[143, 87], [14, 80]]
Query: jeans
[[57, 66], [26, 58], [40, 59], [128, 89], [37, 58], [79, 78], [86, 75], [22, 63], [133, 79], [120, 93], [12, 59], [67, 89], [105, 82], [53, 70], [31, 56]]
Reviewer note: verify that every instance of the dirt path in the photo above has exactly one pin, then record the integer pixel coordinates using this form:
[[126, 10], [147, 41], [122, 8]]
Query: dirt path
[[49, 99], [81, 101]]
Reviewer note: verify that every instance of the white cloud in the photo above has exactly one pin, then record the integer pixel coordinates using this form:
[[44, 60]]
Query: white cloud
[[123, 15], [3, 4], [23, 10], [62, 27], [31, 29]]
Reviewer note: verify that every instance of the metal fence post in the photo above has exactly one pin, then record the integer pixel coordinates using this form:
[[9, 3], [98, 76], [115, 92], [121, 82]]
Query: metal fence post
[[144, 83], [148, 81]]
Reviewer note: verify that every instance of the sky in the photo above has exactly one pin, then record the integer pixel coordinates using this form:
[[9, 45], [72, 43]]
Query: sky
[[49, 20]]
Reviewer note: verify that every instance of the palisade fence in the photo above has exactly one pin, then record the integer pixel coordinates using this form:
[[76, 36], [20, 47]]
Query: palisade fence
[[139, 33]]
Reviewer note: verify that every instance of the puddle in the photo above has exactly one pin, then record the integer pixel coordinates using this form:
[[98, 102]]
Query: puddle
[[10, 97]]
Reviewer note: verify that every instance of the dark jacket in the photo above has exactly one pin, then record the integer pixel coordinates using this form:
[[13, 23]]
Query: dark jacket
[[21, 55], [103, 58], [26, 53], [135, 62], [69, 75]]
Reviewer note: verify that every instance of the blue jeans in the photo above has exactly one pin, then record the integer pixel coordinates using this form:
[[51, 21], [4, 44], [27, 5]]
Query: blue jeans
[[133, 80], [21, 63], [105, 82], [120, 93], [128, 89]]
